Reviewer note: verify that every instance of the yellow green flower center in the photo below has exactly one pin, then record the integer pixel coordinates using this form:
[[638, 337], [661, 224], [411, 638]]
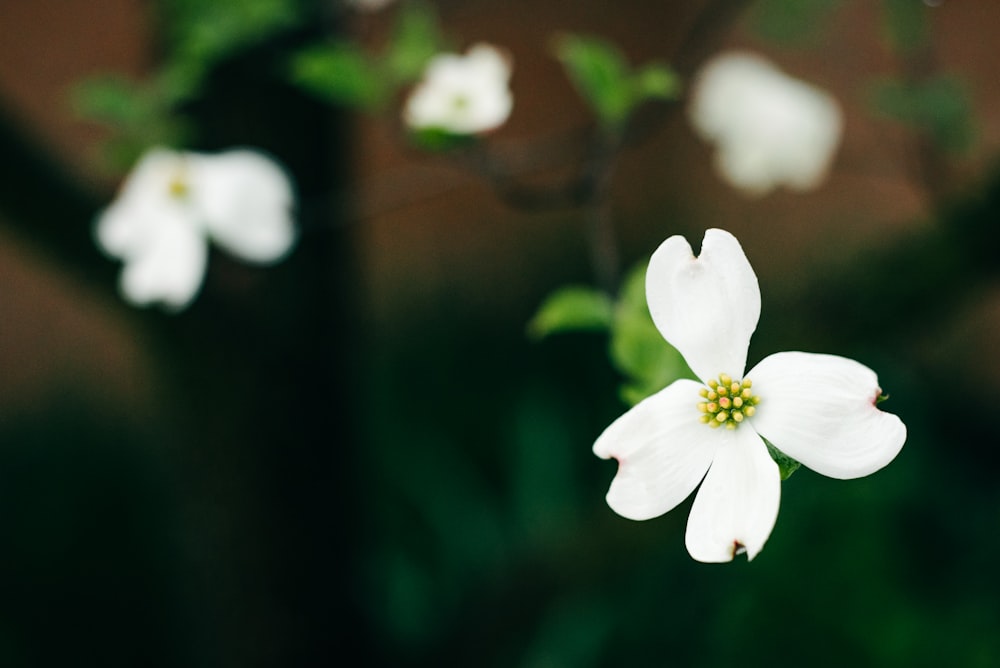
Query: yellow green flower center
[[178, 187], [727, 402]]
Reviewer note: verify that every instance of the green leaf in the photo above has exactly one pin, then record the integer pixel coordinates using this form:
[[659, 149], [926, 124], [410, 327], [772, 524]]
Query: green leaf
[[656, 80], [604, 79], [439, 140], [786, 465], [906, 24], [113, 99], [340, 73], [791, 21], [209, 31], [599, 72], [345, 73], [417, 37], [137, 114], [200, 34], [939, 107], [571, 308], [637, 347]]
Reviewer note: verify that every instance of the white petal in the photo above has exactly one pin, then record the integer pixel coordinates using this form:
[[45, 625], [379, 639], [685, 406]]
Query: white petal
[[462, 94], [662, 450], [246, 201], [820, 410], [745, 168], [489, 62], [719, 91], [171, 267], [706, 307], [737, 505], [769, 128], [122, 229], [128, 225]]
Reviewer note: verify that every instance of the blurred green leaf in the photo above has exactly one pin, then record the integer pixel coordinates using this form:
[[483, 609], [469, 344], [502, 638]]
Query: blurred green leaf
[[209, 31], [138, 114], [439, 140], [791, 21], [656, 80], [638, 349], [599, 71], [906, 24], [786, 465], [416, 38], [200, 34], [940, 107], [347, 73], [112, 99], [572, 308], [602, 76], [340, 73]]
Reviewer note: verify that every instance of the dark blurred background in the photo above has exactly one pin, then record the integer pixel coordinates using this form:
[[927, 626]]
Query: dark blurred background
[[358, 457]]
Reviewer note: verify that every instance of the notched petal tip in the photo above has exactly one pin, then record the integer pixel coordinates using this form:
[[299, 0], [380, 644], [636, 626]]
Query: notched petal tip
[[736, 507], [706, 306], [822, 410]]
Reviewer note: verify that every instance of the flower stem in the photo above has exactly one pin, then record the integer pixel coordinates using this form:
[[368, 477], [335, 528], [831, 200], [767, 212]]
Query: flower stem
[[602, 239]]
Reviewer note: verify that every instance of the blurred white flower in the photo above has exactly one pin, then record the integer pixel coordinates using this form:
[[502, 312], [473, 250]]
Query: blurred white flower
[[173, 203], [769, 128], [462, 94], [817, 409]]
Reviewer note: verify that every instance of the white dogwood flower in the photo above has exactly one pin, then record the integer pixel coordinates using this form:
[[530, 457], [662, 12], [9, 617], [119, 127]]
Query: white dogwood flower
[[769, 129], [173, 203], [817, 409], [462, 95]]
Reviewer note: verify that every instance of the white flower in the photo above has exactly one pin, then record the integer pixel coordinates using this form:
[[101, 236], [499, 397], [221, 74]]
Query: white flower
[[769, 128], [462, 94], [817, 409], [173, 203]]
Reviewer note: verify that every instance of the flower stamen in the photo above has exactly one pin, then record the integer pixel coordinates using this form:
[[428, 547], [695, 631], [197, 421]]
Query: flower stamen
[[729, 403]]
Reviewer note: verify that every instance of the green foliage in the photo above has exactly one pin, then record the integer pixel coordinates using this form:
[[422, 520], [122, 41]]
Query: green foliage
[[572, 308], [439, 140], [201, 34], [209, 31], [602, 76], [139, 115], [939, 107], [636, 347], [341, 73], [345, 72], [416, 38], [906, 24], [791, 21], [198, 35], [786, 465]]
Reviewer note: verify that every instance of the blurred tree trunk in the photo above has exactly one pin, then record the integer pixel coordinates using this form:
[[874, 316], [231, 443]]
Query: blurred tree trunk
[[269, 366]]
